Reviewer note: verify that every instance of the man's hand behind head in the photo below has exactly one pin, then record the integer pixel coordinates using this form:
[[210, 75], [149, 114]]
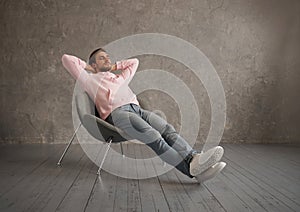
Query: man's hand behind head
[[113, 67], [90, 69]]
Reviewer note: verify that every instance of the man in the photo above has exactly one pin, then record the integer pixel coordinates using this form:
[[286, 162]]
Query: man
[[118, 105]]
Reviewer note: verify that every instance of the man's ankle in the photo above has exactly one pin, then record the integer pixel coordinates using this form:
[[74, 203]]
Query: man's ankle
[[190, 156]]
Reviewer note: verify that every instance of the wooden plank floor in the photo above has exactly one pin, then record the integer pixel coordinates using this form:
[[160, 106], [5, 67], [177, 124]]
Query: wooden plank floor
[[258, 177]]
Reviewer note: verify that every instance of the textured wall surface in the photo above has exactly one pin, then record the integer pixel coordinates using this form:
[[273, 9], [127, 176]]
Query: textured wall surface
[[253, 45]]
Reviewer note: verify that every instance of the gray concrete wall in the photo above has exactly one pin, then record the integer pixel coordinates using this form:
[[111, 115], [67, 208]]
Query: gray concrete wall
[[253, 44]]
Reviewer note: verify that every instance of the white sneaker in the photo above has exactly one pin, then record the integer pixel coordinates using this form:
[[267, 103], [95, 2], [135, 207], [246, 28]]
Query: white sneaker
[[210, 172], [203, 161]]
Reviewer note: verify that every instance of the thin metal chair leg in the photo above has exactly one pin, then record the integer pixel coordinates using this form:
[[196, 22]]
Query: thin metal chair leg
[[109, 140], [66, 149], [122, 149]]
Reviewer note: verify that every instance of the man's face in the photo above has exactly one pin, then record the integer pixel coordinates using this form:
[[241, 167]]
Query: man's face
[[103, 62]]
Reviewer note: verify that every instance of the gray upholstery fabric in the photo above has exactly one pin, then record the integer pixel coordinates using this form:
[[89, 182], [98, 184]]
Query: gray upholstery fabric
[[97, 127]]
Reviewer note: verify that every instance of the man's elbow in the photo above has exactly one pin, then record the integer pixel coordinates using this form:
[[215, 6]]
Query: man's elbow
[[64, 58], [135, 62]]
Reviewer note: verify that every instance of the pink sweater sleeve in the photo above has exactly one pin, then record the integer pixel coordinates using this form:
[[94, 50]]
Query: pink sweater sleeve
[[74, 65], [128, 68]]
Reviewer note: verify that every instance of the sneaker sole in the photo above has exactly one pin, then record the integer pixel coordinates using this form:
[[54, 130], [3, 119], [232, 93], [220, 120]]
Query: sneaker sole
[[211, 172], [212, 160]]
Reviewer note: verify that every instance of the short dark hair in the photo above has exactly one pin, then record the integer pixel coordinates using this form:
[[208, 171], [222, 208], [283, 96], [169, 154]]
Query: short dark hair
[[92, 58]]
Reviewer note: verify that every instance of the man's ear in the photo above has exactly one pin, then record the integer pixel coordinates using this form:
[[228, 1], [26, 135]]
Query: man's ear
[[94, 65]]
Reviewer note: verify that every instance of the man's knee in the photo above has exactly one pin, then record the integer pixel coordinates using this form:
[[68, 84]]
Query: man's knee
[[169, 129]]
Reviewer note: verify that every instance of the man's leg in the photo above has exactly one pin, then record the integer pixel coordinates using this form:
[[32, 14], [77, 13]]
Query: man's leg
[[168, 132], [136, 127], [198, 163]]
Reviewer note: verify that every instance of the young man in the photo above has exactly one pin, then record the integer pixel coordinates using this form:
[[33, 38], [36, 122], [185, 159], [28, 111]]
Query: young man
[[118, 105]]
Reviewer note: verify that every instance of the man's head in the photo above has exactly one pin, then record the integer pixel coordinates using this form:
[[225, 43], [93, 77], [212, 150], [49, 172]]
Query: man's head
[[99, 60]]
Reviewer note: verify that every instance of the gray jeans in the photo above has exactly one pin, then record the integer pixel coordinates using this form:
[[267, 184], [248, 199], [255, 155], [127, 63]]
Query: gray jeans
[[156, 133]]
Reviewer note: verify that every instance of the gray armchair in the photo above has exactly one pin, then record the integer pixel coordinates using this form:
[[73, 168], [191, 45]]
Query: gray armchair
[[97, 127]]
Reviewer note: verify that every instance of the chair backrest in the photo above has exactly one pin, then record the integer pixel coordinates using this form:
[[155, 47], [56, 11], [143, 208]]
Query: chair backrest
[[84, 105], [96, 126]]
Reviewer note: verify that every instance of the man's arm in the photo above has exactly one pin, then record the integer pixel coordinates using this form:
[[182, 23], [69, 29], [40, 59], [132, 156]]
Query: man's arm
[[75, 66], [128, 68]]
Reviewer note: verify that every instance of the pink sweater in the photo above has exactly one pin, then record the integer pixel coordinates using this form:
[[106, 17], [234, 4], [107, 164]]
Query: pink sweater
[[108, 90]]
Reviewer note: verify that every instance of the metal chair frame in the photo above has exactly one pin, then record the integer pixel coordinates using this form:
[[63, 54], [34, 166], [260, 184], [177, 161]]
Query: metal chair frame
[[109, 141], [88, 118]]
